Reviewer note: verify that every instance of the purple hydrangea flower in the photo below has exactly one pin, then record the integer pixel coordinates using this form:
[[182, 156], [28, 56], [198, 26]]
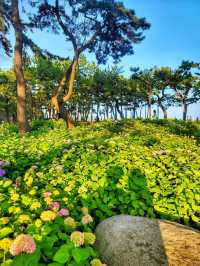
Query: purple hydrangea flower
[[63, 212], [2, 172]]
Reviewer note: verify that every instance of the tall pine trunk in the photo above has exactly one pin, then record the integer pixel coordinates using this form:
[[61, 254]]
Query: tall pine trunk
[[91, 114], [184, 110], [107, 111], [149, 103], [18, 67], [149, 108], [164, 110], [97, 110], [118, 109], [134, 112]]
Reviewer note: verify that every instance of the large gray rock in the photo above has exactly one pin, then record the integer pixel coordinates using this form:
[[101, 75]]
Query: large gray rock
[[125, 240]]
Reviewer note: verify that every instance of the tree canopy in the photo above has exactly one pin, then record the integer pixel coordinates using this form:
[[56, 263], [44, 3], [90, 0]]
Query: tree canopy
[[104, 27]]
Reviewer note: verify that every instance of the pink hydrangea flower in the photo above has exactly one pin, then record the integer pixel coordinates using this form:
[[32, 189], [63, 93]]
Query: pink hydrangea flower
[[2, 163], [46, 194], [23, 243], [55, 205], [86, 219], [63, 212]]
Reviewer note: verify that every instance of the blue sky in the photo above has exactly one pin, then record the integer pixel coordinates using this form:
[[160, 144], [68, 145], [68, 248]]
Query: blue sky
[[174, 35]]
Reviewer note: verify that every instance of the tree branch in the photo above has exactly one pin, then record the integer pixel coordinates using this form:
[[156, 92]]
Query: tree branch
[[92, 39], [37, 50], [64, 28]]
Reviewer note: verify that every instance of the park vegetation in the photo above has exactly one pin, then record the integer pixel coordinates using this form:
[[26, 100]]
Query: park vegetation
[[80, 141], [55, 182]]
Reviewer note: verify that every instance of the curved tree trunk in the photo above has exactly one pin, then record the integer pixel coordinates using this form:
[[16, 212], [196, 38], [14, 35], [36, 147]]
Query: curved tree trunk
[[18, 67], [59, 101]]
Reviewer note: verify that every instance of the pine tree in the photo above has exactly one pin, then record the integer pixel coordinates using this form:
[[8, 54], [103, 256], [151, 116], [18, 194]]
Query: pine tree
[[104, 27]]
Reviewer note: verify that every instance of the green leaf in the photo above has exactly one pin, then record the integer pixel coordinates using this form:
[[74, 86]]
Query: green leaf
[[195, 219], [5, 231], [47, 245], [27, 259], [63, 236], [49, 242], [81, 254], [7, 183], [63, 254], [73, 263], [7, 263], [20, 260], [4, 206], [55, 264], [46, 229]]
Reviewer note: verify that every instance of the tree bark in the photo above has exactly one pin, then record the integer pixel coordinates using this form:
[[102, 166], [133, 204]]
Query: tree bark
[[140, 113], [126, 113], [98, 107], [164, 110], [69, 78], [134, 111], [145, 111], [107, 110], [184, 110], [115, 113], [69, 119], [91, 115], [149, 107], [18, 67], [118, 109]]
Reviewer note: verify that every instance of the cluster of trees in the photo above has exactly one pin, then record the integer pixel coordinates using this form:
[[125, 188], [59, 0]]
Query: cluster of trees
[[104, 27], [168, 87], [100, 93], [45, 85]]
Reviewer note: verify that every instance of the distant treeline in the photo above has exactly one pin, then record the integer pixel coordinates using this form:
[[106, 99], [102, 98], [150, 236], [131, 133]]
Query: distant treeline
[[101, 93]]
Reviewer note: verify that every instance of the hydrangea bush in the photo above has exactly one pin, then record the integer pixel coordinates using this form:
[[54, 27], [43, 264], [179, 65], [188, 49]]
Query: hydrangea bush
[[57, 185]]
